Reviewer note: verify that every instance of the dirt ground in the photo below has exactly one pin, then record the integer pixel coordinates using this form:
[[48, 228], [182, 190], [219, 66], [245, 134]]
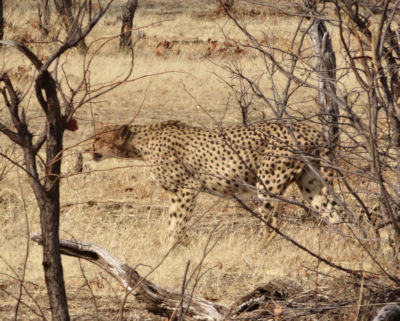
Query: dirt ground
[[182, 49]]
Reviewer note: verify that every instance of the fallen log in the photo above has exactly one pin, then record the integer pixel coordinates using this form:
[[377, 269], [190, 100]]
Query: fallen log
[[283, 300], [158, 300]]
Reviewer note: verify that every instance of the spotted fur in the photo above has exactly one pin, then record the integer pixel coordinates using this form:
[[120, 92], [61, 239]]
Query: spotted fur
[[264, 158]]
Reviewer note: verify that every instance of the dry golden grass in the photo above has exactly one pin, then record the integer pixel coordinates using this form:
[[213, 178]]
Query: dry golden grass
[[116, 205]]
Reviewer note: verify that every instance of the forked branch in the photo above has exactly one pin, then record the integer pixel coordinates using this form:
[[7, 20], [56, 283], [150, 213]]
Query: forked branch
[[158, 300], [283, 300], [12, 101]]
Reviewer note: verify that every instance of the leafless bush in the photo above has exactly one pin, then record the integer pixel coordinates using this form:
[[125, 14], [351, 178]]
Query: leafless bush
[[277, 299], [357, 92], [48, 137]]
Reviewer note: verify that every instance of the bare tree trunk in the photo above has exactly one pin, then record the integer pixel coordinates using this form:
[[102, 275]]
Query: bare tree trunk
[[47, 188], [49, 220], [44, 17], [326, 68], [47, 197], [128, 12], [47, 194], [1, 21], [49, 200], [64, 8]]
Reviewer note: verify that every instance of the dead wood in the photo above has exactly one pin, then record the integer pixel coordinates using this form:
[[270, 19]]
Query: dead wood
[[1, 21], [64, 8], [44, 17], [128, 12], [280, 299], [326, 70], [158, 300]]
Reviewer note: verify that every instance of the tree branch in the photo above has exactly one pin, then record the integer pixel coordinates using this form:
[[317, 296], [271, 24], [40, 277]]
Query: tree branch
[[73, 37], [285, 300], [24, 50], [158, 300]]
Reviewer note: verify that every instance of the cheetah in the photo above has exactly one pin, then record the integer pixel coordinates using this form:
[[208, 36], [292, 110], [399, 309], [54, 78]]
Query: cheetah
[[264, 158]]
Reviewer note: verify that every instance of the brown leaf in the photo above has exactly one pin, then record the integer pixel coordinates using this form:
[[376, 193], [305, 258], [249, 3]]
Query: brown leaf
[[211, 299], [92, 203], [278, 309], [72, 125]]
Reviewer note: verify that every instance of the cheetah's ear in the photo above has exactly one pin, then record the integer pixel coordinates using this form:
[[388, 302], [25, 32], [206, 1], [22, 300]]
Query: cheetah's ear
[[122, 135]]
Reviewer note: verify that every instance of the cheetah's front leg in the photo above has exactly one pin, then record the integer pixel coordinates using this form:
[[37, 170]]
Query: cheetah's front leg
[[181, 207], [275, 174]]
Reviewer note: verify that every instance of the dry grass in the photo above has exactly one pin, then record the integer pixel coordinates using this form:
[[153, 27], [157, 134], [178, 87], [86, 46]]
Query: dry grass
[[116, 205]]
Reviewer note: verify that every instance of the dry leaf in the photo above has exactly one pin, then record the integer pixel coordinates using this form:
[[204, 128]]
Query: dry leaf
[[278, 309]]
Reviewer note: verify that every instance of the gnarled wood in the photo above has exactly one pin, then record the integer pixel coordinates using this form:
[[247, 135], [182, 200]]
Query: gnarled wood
[[128, 12], [47, 188], [283, 300], [158, 300], [44, 17], [64, 8], [326, 70], [1, 21]]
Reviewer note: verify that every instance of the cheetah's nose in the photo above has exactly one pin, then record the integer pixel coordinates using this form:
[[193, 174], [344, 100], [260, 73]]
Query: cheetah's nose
[[97, 156]]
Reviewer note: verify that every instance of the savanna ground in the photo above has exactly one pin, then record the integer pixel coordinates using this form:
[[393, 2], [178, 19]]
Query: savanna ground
[[116, 205]]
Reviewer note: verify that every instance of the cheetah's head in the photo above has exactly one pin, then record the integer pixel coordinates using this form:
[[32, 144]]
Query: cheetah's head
[[112, 142]]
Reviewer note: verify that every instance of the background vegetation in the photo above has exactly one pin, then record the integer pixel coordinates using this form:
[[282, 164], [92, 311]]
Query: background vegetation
[[185, 57]]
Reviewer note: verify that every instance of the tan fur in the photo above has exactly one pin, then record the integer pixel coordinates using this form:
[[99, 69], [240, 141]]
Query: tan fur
[[264, 158]]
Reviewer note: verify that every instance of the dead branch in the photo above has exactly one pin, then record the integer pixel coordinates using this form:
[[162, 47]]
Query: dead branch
[[158, 300], [44, 17], [326, 70], [46, 190], [284, 300], [128, 12], [72, 26]]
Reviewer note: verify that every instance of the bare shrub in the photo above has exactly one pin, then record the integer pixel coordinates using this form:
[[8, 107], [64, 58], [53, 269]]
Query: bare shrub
[[46, 137]]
